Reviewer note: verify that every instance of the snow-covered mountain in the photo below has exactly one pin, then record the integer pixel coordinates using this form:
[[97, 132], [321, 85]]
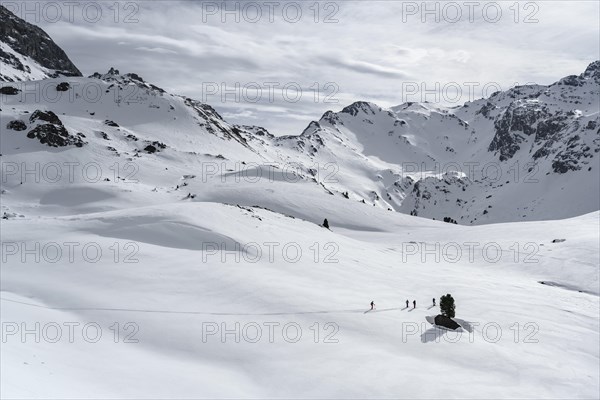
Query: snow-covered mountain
[[530, 153], [28, 53], [151, 249]]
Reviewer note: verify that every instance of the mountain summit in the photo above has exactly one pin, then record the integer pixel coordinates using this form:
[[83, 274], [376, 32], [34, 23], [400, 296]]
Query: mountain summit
[[527, 153]]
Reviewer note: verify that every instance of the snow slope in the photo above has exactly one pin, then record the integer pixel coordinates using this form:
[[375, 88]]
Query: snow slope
[[151, 249], [176, 294]]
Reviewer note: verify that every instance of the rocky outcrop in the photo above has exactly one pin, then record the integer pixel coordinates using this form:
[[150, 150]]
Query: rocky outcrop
[[54, 136], [9, 90], [16, 125], [31, 41], [48, 129], [46, 116]]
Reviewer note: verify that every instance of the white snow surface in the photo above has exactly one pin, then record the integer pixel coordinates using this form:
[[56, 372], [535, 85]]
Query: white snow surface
[[173, 292], [216, 230]]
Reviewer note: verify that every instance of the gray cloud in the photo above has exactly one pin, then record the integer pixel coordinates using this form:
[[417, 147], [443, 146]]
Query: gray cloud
[[363, 67], [368, 53]]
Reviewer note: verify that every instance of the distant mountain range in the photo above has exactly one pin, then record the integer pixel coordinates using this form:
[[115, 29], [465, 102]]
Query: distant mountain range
[[528, 153]]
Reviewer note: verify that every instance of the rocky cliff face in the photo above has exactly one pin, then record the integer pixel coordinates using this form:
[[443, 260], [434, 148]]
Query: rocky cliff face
[[532, 120], [27, 52]]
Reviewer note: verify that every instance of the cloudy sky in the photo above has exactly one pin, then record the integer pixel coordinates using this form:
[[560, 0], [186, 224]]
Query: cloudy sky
[[281, 64]]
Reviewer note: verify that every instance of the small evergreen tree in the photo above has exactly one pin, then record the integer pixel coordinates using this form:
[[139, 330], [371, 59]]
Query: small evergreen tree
[[447, 307]]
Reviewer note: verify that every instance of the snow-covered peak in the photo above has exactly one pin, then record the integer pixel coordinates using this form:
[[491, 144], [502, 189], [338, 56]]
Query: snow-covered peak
[[424, 107], [114, 76], [592, 71], [361, 107]]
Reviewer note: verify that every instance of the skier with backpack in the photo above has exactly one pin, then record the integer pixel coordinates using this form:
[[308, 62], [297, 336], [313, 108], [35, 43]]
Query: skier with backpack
[[372, 305], [434, 301], [406, 303], [414, 304]]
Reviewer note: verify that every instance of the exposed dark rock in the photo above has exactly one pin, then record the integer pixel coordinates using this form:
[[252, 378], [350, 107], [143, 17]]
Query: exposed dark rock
[[441, 320], [16, 125], [54, 136], [135, 77], [503, 141], [572, 157], [111, 123], [486, 109], [32, 41], [592, 71], [154, 147], [359, 106], [591, 125], [47, 116], [9, 90], [549, 127], [571, 80], [543, 151]]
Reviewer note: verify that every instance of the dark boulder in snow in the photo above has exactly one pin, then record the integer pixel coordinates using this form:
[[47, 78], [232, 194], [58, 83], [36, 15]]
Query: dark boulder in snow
[[54, 136], [446, 322], [111, 123], [63, 87], [154, 147], [9, 90], [52, 133], [47, 116], [16, 125]]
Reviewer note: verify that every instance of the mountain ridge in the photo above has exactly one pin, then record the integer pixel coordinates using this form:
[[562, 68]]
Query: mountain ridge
[[27, 52], [534, 147]]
